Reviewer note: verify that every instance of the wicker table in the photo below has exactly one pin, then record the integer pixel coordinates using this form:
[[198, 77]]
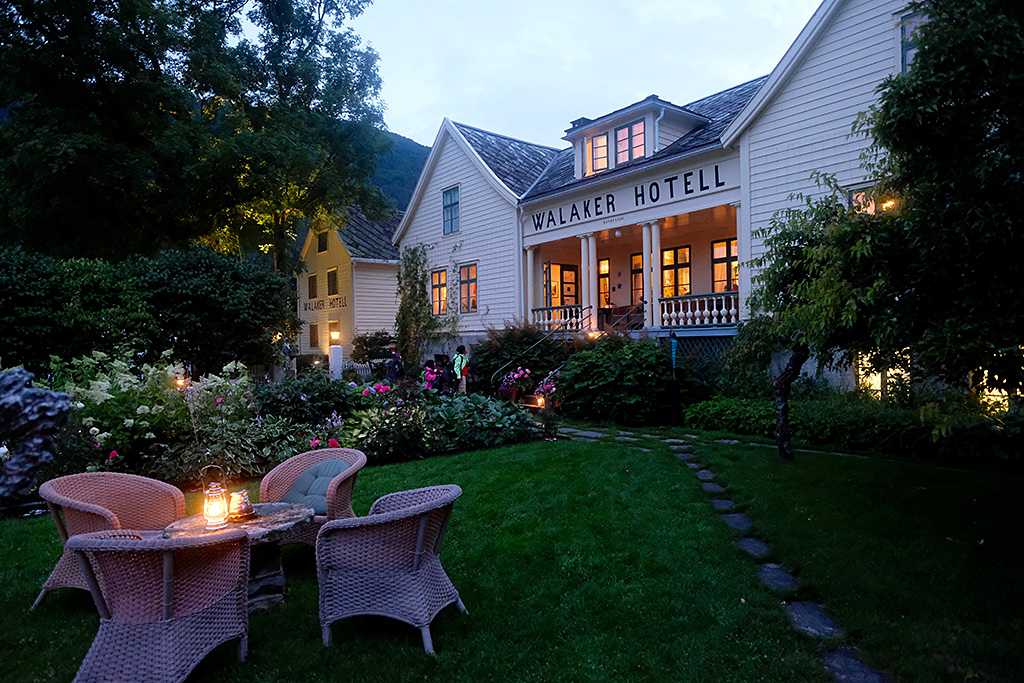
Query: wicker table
[[270, 524]]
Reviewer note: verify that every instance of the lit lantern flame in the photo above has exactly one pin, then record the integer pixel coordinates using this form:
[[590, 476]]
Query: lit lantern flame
[[540, 401], [215, 507], [335, 335], [180, 382]]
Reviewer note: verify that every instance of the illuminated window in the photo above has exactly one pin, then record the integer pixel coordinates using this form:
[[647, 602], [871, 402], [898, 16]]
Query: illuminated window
[[333, 332], [439, 292], [629, 142], [311, 286], [725, 266], [604, 284], [597, 154], [321, 243], [332, 282], [908, 38], [314, 336], [467, 288], [636, 278], [450, 200], [675, 271]]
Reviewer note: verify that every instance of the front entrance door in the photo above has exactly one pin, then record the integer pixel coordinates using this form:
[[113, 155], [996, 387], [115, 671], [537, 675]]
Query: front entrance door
[[561, 284]]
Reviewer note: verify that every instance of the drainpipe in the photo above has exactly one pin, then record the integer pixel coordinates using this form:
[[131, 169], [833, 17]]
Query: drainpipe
[[523, 304], [657, 137]]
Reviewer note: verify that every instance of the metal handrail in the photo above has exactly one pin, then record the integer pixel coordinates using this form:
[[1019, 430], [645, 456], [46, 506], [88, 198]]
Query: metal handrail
[[538, 342]]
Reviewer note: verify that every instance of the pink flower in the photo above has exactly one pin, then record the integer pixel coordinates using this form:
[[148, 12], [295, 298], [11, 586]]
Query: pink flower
[[220, 400], [333, 443], [314, 443], [95, 445], [113, 454], [384, 388], [366, 392]]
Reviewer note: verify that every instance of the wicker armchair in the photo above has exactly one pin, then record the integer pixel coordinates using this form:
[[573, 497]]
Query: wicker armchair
[[279, 480], [164, 603], [388, 563], [97, 501]]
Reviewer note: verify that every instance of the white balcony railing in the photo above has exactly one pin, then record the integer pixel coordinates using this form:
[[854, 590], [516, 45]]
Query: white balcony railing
[[559, 318], [700, 310]]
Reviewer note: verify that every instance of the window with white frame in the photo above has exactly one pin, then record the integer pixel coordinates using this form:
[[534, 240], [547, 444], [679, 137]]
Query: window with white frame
[[629, 142], [909, 23], [450, 202], [597, 154], [467, 288], [332, 282], [439, 292]]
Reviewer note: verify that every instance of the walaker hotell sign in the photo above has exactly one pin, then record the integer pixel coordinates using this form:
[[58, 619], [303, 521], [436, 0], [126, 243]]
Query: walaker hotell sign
[[641, 196]]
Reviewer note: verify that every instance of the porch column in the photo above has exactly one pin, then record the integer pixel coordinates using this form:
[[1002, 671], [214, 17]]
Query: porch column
[[656, 272], [592, 282], [531, 285], [582, 289], [646, 256]]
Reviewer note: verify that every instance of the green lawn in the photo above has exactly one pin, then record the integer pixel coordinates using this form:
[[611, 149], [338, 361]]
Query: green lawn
[[594, 562]]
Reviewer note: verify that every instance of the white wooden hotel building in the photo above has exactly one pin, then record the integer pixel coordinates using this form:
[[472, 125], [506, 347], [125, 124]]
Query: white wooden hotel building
[[655, 202]]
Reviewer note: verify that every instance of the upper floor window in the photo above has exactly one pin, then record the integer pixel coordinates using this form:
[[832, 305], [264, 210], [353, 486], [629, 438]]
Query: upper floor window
[[908, 38], [597, 154], [725, 266], [675, 272], [450, 200], [467, 288], [321, 243], [332, 282], [439, 292], [311, 286], [629, 142]]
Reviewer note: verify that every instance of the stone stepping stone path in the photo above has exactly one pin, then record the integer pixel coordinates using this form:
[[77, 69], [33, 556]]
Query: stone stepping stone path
[[752, 546], [776, 578], [626, 438], [738, 521], [843, 665], [808, 618]]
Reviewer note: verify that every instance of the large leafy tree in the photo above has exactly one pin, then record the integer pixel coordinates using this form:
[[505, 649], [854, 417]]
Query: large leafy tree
[[130, 125], [949, 142]]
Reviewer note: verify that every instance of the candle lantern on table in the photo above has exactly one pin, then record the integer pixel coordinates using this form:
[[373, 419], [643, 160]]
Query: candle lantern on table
[[215, 506]]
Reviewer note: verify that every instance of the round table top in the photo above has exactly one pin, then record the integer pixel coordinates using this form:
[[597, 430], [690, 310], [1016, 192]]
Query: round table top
[[270, 523]]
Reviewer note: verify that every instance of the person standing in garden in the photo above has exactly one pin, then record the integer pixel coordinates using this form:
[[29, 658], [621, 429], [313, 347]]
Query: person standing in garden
[[461, 364]]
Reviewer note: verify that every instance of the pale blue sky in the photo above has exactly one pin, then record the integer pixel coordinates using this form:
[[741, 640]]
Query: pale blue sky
[[529, 67]]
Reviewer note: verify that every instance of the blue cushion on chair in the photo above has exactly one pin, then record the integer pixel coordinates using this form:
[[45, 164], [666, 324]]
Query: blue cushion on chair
[[310, 487]]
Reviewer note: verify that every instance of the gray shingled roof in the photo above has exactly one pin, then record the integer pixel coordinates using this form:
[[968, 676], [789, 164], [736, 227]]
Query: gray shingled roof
[[721, 108], [516, 163], [364, 238]]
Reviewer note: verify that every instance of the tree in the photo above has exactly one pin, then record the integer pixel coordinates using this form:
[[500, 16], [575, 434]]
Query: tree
[[415, 322], [949, 144], [820, 292], [130, 126], [226, 309]]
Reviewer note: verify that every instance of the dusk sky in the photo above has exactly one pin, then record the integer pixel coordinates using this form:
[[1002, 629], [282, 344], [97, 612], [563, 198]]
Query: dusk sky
[[527, 68]]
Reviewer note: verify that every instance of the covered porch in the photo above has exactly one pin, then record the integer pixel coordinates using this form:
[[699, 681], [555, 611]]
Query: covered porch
[[678, 273]]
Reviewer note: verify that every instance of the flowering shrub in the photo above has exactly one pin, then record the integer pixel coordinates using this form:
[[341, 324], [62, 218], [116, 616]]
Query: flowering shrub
[[517, 381]]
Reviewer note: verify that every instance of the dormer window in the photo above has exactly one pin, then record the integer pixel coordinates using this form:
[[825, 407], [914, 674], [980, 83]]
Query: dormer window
[[629, 142], [597, 154]]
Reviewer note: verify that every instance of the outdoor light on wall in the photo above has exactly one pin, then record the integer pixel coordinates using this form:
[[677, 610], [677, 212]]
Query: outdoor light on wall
[[618, 233], [215, 507], [335, 337]]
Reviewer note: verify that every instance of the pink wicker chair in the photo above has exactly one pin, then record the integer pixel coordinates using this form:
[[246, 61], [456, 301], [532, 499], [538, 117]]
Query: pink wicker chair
[[164, 603], [279, 480], [388, 563], [97, 501]]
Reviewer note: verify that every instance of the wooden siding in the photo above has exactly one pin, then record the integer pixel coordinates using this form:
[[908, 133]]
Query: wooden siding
[[376, 296], [487, 237], [336, 256], [807, 126]]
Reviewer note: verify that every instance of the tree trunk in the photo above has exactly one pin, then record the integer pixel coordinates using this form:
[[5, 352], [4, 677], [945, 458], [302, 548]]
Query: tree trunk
[[781, 386]]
